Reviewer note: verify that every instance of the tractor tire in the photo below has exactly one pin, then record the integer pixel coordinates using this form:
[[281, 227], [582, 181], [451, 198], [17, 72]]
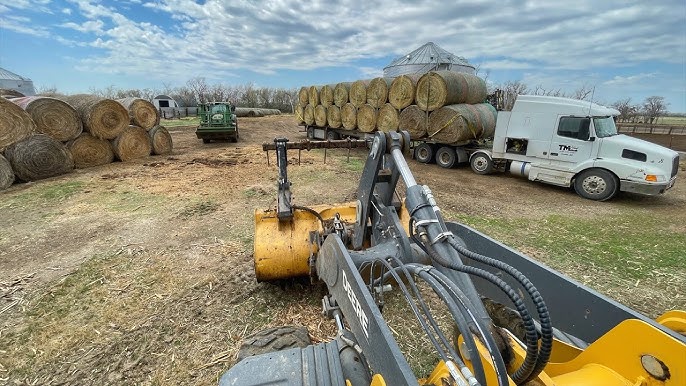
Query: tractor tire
[[274, 339], [424, 153], [446, 157], [596, 184], [481, 163]]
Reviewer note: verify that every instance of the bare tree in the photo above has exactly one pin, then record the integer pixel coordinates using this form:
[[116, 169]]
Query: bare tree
[[584, 93], [185, 96], [625, 108], [506, 94], [199, 87], [654, 107], [49, 91]]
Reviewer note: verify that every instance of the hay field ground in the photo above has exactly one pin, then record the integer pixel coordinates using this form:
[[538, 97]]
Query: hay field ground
[[141, 272]]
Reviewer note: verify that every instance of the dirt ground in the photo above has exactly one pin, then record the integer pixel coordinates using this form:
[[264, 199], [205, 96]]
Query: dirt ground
[[141, 272]]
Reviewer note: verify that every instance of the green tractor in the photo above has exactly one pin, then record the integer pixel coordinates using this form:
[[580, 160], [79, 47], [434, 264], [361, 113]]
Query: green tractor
[[217, 121]]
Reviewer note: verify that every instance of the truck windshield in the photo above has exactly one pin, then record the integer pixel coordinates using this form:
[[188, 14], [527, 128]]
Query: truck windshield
[[604, 127]]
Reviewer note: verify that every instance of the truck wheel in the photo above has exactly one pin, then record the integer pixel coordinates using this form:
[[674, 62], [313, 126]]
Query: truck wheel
[[481, 163], [274, 339], [446, 157], [424, 153], [596, 184], [310, 133], [331, 135]]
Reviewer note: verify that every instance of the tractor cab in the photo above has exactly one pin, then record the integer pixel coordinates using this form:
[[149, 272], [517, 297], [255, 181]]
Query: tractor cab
[[217, 121]]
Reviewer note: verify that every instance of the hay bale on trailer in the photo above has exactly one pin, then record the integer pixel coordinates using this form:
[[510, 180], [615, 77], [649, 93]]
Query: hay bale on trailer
[[387, 119], [313, 95], [441, 88], [308, 115], [340, 93], [377, 91], [303, 96], [52, 116], [326, 96], [349, 116], [414, 120], [460, 123], [6, 173], [132, 143], [15, 123], [160, 140], [366, 118], [299, 113], [358, 93], [103, 118], [402, 91], [89, 151], [333, 117], [39, 156], [7, 93], [320, 115], [141, 112]]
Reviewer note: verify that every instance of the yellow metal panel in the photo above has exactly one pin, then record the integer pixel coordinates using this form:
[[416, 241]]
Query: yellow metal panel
[[377, 380], [674, 320]]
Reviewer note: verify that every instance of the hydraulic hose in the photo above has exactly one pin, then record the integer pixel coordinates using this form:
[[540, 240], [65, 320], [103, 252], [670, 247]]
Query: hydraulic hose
[[543, 315], [523, 372]]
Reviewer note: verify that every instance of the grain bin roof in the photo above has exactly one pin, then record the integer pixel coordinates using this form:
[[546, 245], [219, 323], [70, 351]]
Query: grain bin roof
[[9, 75], [12, 81], [427, 58]]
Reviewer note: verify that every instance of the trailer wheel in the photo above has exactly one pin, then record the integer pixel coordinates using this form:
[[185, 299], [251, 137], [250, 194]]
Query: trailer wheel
[[446, 157], [596, 184], [424, 153], [274, 339], [481, 163], [331, 135], [310, 132]]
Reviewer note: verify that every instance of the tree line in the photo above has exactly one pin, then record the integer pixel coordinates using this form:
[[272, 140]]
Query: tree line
[[198, 90]]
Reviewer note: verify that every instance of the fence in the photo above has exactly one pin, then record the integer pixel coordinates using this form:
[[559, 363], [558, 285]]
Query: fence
[[673, 137], [177, 112]]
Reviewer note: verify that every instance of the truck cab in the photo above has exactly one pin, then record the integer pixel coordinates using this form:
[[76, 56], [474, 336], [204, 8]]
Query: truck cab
[[569, 142]]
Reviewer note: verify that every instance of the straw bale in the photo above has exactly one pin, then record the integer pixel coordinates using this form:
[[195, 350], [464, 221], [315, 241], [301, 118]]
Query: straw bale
[[141, 112], [39, 156], [349, 116], [366, 118], [387, 119], [320, 115], [326, 96], [89, 151], [308, 115], [460, 123], [413, 120], [358, 93], [6, 173], [440, 88], [303, 97], [402, 91], [299, 113], [103, 118], [340, 94], [132, 143], [161, 140], [377, 91], [15, 123], [333, 116], [52, 116], [313, 95]]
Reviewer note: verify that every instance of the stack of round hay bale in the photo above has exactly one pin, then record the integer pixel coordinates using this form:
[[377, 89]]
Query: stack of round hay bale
[[42, 137], [249, 112], [444, 106]]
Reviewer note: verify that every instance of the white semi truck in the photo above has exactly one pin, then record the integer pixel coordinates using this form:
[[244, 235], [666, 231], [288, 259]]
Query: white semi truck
[[564, 142]]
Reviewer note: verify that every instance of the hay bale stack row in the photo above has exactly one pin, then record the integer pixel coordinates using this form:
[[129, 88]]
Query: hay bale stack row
[[42, 137], [407, 102], [243, 112]]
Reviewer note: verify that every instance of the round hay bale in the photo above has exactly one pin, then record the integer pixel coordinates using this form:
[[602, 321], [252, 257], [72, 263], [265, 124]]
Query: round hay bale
[[303, 96], [358, 93], [103, 118], [15, 123], [439, 88], [160, 140], [89, 151], [52, 116], [7, 93], [377, 91], [402, 91], [413, 120], [39, 156], [308, 115], [320, 115], [454, 124], [349, 116], [488, 117], [476, 89], [333, 116], [326, 96], [299, 112], [366, 118], [132, 143], [340, 94], [387, 119], [313, 94], [6, 173], [141, 112]]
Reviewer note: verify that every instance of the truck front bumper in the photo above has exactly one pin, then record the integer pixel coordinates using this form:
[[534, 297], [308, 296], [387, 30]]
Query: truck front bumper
[[650, 189]]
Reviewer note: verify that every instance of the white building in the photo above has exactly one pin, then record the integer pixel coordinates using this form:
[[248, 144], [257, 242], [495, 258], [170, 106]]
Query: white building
[[429, 57], [12, 81]]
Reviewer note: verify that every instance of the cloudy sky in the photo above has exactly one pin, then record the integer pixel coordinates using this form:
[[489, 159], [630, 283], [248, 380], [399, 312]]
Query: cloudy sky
[[625, 49]]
